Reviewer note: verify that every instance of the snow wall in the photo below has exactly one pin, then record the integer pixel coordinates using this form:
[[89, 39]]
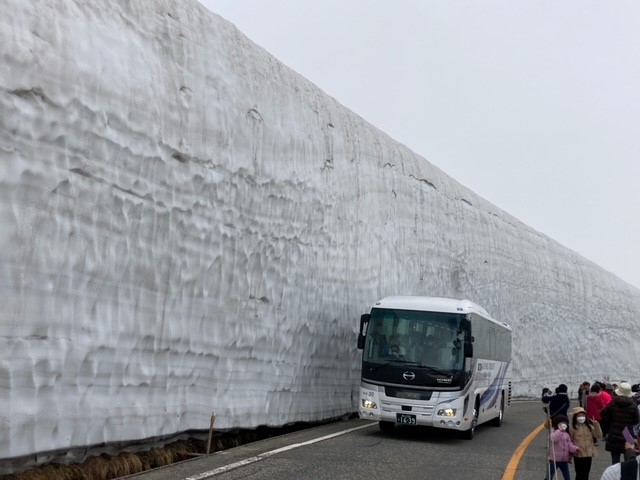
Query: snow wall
[[188, 226]]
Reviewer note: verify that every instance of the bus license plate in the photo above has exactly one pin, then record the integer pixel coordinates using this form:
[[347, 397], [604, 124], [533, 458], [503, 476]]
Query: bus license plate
[[405, 419]]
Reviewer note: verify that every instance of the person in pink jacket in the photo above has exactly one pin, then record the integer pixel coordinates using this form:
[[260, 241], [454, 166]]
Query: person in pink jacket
[[561, 447], [595, 403]]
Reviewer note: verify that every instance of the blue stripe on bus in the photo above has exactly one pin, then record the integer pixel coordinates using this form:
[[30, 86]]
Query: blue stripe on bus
[[489, 398]]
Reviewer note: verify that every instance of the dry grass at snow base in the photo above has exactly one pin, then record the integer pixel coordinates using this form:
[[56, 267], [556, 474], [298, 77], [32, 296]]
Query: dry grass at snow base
[[107, 467]]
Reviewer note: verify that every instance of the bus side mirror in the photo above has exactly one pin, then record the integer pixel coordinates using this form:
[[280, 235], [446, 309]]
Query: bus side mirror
[[364, 326], [468, 349]]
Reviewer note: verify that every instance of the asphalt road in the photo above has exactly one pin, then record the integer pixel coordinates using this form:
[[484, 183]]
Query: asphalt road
[[359, 450]]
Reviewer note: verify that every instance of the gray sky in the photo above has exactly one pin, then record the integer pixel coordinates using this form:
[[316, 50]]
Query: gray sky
[[533, 104]]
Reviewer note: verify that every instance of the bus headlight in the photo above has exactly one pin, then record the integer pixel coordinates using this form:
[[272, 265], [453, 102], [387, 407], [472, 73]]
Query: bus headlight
[[447, 412], [366, 403]]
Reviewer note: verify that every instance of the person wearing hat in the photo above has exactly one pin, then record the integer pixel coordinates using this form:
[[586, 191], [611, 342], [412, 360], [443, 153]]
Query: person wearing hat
[[584, 434], [620, 413], [561, 447]]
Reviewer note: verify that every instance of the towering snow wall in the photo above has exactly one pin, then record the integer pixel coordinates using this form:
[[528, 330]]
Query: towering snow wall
[[187, 226]]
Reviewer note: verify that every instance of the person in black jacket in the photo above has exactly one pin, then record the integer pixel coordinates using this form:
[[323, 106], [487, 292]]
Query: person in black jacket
[[627, 470], [558, 403], [621, 412]]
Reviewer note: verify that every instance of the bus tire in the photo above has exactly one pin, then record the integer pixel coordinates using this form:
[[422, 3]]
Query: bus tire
[[469, 434], [496, 422], [386, 427]]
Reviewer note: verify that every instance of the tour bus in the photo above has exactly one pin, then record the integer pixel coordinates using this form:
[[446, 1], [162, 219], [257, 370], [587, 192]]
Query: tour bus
[[437, 362]]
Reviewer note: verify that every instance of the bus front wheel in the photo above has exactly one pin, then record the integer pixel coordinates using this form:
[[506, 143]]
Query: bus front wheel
[[469, 434]]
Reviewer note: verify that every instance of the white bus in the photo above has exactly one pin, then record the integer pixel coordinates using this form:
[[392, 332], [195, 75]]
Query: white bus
[[436, 362]]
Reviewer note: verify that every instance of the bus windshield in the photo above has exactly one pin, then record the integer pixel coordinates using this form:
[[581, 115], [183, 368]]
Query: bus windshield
[[424, 339]]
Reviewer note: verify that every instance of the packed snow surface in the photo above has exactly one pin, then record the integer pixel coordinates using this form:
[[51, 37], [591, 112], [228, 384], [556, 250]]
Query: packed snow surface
[[188, 226]]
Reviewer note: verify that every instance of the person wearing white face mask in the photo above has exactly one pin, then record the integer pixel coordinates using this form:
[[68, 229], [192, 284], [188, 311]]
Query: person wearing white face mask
[[584, 434], [561, 448]]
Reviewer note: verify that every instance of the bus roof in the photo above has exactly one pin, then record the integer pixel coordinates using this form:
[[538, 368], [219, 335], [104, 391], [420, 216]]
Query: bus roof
[[435, 304]]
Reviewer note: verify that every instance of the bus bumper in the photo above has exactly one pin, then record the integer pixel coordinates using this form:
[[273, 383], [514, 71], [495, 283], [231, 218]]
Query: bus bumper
[[441, 412]]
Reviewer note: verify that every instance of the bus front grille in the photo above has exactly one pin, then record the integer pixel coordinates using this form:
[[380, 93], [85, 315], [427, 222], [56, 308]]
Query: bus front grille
[[396, 407]]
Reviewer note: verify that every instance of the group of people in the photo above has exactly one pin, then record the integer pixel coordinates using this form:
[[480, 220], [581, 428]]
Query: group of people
[[606, 411]]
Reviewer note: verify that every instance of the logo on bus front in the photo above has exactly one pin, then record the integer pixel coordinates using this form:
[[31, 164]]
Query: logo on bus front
[[408, 376], [486, 366]]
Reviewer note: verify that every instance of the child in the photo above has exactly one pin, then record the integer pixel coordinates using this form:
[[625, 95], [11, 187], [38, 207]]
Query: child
[[561, 447], [584, 433]]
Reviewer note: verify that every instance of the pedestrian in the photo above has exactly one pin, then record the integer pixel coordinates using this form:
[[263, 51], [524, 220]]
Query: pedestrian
[[635, 388], [627, 470], [584, 434], [583, 391], [558, 403], [595, 403], [607, 393], [561, 448], [620, 413]]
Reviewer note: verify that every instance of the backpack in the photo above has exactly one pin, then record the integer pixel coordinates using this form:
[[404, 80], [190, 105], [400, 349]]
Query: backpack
[[629, 470]]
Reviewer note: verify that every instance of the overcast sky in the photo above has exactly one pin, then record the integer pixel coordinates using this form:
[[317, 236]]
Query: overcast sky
[[532, 104]]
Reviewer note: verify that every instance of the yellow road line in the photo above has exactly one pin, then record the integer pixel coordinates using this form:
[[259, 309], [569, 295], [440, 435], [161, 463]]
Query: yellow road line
[[512, 466]]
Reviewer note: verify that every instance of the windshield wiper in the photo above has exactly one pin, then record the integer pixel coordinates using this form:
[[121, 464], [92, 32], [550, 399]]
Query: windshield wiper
[[400, 360], [439, 371], [389, 362]]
